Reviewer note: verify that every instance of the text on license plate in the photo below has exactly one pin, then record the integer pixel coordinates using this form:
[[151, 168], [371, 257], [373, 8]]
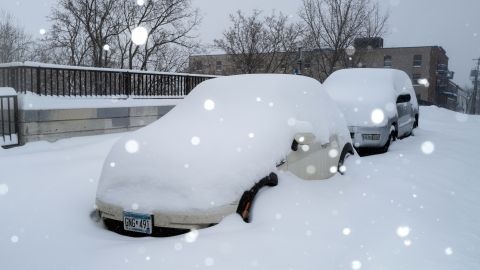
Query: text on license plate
[[135, 222]]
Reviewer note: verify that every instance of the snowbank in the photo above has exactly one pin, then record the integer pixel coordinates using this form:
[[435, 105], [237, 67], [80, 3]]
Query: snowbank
[[400, 210], [7, 91], [358, 92], [31, 101], [226, 135]]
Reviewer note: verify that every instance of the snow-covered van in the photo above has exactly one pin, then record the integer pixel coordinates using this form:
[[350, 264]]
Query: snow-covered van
[[379, 105], [208, 157]]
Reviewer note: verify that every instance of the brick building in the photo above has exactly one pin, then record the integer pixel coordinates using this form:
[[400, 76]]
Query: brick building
[[427, 66]]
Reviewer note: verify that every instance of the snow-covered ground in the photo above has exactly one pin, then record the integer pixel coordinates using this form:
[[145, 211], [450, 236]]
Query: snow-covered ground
[[415, 207]]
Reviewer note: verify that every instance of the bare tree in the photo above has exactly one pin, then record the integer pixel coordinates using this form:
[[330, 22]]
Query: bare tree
[[84, 27], [333, 25], [15, 44], [170, 25], [256, 44], [98, 32]]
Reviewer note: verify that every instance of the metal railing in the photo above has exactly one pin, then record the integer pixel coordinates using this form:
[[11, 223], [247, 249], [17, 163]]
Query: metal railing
[[9, 128], [55, 80]]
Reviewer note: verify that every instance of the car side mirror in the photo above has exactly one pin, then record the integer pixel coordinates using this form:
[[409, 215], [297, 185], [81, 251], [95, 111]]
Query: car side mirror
[[404, 98]]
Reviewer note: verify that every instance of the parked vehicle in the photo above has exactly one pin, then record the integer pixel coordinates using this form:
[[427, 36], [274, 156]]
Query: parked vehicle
[[379, 105], [209, 156]]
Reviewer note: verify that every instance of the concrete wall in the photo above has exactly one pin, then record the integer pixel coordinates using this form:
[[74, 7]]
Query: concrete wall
[[52, 125]]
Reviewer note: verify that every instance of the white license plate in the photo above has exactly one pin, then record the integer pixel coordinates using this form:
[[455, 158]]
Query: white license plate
[[135, 222]]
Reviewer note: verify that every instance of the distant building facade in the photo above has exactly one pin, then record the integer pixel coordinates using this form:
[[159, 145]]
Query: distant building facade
[[427, 66]]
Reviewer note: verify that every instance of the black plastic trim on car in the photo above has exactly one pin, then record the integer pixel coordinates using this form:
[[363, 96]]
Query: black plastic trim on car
[[248, 196]]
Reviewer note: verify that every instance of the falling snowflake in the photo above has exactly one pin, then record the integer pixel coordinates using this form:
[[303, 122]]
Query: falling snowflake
[[343, 169], [132, 146], [191, 236], [271, 104], [139, 35], [333, 169], [356, 265], [209, 105], [112, 164], [135, 206], [305, 148], [251, 135], [333, 153], [140, 2], [311, 169], [377, 116], [14, 239], [106, 47], [258, 99], [428, 147], [291, 121], [209, 261], [448, 251], [42, 31], [346, 231], [424, 82], [407, 242], [195, 140], [403, 231]]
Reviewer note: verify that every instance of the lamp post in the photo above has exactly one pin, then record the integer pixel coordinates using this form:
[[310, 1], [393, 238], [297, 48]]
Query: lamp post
[[473, 109], [299, 62]]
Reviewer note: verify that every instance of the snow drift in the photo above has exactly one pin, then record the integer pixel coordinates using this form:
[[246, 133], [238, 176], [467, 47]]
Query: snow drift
[[226, 135]]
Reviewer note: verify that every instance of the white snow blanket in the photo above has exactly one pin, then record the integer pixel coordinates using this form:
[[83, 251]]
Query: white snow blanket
[[226, 135], [31, 101], [412, 208], [7, 91], [360, 91]]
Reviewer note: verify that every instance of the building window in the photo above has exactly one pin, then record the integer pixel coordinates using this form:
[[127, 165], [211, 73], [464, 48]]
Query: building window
[[387, 61], [415, 78], [219, 66], [417, 60]]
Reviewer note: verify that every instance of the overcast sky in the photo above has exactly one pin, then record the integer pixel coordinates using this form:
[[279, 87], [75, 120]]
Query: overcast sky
[[454, 25]]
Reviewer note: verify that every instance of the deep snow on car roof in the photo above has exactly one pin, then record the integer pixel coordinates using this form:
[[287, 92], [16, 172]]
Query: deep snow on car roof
[[359, 91], [227, 134]]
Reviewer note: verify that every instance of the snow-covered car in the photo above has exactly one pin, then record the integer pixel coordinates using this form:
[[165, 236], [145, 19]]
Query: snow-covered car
[[379, 105], [208, 157]]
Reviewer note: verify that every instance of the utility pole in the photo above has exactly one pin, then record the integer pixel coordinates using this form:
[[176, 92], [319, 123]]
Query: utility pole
[[475, 87]]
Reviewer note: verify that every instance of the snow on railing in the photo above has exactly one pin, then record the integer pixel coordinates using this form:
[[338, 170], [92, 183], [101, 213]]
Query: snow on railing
[[58, 80]]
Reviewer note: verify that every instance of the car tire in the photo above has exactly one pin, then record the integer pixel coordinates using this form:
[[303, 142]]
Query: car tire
[[415, 124], [347, 150], [391, 138]]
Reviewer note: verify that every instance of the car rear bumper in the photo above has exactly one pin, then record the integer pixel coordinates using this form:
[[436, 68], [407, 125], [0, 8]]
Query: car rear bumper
[[357, 135], [188, 220]]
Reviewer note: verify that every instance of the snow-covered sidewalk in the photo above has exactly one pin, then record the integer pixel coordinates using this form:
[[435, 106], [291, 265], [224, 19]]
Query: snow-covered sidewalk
[[415, 207]]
